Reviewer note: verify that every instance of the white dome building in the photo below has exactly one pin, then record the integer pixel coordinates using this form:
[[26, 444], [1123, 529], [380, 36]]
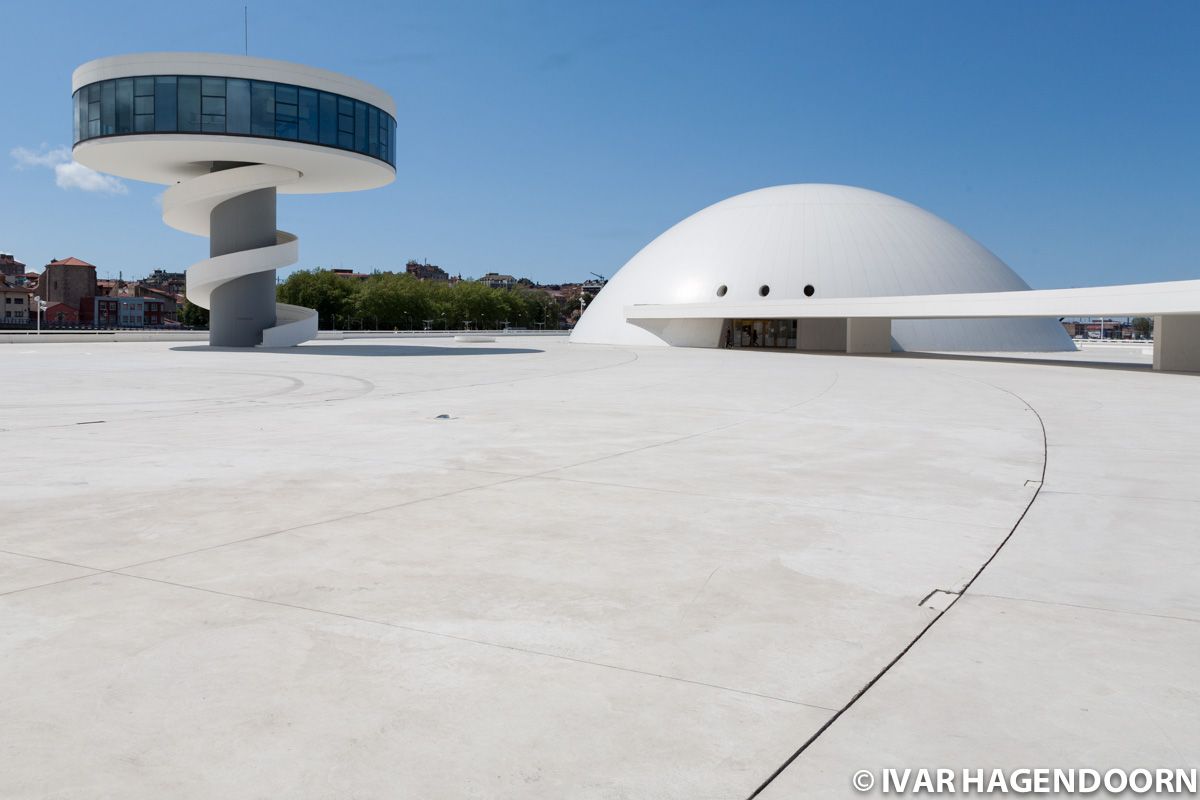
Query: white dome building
[[823, 241]]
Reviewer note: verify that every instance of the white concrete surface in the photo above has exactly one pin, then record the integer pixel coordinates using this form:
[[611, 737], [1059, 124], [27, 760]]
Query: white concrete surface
[[533, 569]]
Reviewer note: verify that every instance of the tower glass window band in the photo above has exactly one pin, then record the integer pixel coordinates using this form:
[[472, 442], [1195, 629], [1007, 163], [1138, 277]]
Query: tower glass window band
[[232, 107]]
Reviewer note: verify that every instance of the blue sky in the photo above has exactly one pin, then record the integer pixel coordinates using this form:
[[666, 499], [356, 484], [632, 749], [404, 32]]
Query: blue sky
[[552, 139]]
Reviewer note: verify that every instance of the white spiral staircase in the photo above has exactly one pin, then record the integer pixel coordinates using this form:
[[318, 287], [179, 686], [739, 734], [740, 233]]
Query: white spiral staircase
[[188, 205]]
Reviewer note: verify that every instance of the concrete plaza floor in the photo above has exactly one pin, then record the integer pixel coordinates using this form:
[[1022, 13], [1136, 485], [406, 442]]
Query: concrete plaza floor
[[533, 569]]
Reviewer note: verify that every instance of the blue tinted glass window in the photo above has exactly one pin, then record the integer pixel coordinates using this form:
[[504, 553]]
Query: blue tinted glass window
[[196, 104], [237, 106], [94, 113], [329, 119], [212, 114], [373, 131], [262, 108], [164, 104], [125, 105], [309, 115], [360, 127], [108, 107], [285, 115], [189, 104], [81, 113]]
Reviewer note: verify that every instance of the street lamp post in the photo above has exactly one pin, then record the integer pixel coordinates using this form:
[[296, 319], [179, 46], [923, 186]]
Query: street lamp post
[[40, 304]]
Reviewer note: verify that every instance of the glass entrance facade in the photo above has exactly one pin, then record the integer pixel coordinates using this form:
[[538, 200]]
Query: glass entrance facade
[[760, 333], [232, 107]]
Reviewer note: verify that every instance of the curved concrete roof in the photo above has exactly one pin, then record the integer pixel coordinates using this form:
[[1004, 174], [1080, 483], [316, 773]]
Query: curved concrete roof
[[230, 66], [843, 241]]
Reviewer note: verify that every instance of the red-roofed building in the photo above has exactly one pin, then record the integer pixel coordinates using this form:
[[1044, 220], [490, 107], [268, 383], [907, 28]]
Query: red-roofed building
[[67, 281]]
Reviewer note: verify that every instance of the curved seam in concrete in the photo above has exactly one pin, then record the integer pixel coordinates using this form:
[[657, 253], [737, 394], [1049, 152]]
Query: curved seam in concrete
[[957, 596]]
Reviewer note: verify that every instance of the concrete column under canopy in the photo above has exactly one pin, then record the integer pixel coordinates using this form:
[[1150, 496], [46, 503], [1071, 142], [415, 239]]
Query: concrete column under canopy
[[1177, 343]]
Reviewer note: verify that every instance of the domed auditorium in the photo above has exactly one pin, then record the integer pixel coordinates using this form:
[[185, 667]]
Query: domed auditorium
[[812, 241]]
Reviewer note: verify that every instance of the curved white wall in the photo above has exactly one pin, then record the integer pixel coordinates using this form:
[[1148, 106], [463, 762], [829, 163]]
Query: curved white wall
[[842, 240], [232, 66]]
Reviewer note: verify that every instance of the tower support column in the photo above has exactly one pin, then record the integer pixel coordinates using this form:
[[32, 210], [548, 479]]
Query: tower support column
[[244, 307]]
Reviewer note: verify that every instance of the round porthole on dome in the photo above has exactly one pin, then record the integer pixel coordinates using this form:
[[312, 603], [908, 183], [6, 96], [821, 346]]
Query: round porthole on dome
[[721, 290], [809, 291], [764, 290]]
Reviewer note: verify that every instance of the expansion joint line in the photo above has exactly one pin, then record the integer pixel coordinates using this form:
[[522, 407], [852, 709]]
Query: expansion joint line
[[955, 597]]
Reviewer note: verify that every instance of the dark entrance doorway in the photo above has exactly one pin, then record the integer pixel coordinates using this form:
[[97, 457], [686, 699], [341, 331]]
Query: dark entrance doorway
[[760, 333]]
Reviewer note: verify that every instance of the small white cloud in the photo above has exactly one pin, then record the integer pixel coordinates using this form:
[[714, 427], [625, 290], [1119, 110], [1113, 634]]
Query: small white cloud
[[68, 173], [44, 157], [74, 175]]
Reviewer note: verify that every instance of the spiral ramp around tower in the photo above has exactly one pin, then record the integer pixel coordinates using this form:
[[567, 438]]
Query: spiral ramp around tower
[[188, 207]]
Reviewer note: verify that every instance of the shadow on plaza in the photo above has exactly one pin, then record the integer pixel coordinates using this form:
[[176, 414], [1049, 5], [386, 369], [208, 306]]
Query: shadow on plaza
[[1027, 359], [360, 350], [1030, 360]]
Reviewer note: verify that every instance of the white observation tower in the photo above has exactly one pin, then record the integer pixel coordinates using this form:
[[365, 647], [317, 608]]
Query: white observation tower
[[226, 134]]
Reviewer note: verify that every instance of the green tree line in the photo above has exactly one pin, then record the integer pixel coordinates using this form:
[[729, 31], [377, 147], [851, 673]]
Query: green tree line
[[398, 300]]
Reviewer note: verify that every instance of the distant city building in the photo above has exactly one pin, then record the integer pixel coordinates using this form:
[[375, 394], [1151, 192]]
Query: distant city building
[[349, 273], [121, 312], [170, 301], [173, 282], [110, 287], [1097, 329], [15, 303], [497, 281], [426, 272], [67, 281], [61, 314], [11, 269]]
